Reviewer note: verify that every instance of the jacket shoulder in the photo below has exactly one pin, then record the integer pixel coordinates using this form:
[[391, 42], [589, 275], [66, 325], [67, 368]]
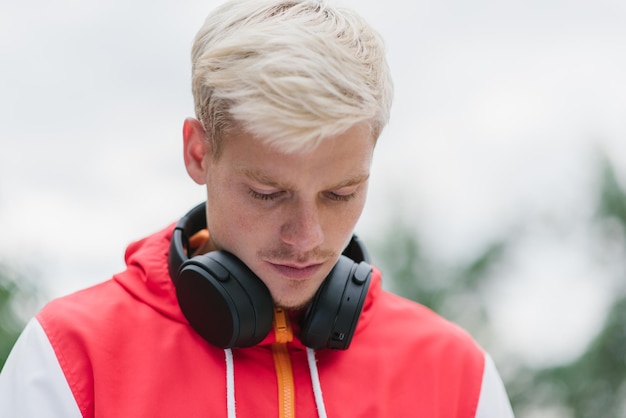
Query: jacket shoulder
[[85, 306], [435, 357], [418, 324]]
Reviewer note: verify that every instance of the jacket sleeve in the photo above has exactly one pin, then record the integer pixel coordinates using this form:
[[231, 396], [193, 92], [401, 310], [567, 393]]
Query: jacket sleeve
[[493, 401], [32, 383]]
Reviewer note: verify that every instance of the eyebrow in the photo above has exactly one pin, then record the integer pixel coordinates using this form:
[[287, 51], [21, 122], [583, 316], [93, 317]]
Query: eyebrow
[[361, 178], [265, 179], [268, 181]]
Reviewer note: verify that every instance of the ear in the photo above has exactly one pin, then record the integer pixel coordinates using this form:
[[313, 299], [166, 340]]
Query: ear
[[196, 150]]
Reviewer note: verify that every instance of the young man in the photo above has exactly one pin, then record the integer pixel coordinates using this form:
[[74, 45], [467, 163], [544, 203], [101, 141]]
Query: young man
[[247, 306]]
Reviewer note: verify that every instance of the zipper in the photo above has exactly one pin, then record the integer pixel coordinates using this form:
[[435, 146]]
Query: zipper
[[282, 363]]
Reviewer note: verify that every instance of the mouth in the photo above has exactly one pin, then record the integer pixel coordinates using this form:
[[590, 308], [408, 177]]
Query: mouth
[[296, 272]]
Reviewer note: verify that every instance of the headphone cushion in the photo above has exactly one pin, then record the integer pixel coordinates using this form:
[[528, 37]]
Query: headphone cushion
[[224, 301], [332, 316]]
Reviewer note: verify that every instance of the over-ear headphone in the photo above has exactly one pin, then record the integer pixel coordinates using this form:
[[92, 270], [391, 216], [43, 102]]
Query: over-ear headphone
[[229, 306]]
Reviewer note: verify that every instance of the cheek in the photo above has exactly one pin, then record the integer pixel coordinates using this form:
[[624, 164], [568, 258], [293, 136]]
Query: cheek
[[355, 208], [233, 223], [339, 224]]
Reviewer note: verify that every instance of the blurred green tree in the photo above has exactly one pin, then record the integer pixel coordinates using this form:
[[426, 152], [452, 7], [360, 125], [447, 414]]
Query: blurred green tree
[[19, 299], [594, 385], [455, 292]]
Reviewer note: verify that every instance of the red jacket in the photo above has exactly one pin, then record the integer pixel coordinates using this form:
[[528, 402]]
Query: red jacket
[[125, 349]]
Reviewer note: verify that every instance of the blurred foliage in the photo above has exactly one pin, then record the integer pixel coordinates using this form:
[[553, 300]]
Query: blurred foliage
[[594, 385], [19, 298], [455, 292], [612, 196]]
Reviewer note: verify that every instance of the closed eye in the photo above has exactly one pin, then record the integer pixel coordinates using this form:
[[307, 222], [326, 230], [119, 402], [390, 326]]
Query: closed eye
[[337, 197], [265, 196]]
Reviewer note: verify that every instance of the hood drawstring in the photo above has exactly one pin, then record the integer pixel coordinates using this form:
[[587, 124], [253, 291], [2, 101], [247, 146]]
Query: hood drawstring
[[230, 383], [315, 380]]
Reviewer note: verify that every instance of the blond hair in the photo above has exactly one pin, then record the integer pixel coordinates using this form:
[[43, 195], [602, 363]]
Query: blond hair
[[290, 71]]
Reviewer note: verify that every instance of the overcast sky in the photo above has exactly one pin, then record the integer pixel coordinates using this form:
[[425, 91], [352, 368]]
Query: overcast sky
[[499, 113]]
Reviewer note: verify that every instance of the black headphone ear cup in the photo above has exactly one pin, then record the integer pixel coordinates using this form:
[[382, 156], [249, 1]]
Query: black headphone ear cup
[[224, 301], [332, 316]]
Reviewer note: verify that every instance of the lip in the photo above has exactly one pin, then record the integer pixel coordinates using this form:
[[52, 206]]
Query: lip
[[296, 272]]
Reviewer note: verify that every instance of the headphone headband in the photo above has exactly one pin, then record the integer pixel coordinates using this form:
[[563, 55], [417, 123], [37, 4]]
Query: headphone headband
[[192, 222]]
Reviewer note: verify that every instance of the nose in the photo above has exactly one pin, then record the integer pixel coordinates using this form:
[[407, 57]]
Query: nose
[[303, 229]]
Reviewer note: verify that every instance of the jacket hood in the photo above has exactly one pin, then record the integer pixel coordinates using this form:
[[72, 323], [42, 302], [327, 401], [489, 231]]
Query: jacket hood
[[147, 279]]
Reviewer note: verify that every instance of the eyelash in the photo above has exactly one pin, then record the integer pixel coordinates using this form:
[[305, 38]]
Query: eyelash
[[262, 196], [341, 197], [272, 196]]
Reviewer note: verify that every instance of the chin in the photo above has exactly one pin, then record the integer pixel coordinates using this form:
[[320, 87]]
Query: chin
[[292, 305], [293, 308], [295, 295]]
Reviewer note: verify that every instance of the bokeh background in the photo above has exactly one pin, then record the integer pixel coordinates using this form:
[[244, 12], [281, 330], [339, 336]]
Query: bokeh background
[[497, 193]]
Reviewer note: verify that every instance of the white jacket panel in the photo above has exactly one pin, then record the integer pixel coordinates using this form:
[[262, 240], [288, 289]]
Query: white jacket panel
[[493, 401], [32, 383]]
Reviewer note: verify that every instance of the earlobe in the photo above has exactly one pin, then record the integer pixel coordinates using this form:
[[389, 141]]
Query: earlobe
[[196, 149]]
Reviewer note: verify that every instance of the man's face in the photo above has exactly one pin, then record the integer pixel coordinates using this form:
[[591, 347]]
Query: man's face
[[288, 216]]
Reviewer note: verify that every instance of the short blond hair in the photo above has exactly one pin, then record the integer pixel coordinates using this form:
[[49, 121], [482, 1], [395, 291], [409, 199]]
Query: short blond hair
[[291, 71]]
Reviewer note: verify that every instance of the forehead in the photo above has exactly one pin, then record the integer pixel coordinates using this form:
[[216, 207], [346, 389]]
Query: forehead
[[343, 157]]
